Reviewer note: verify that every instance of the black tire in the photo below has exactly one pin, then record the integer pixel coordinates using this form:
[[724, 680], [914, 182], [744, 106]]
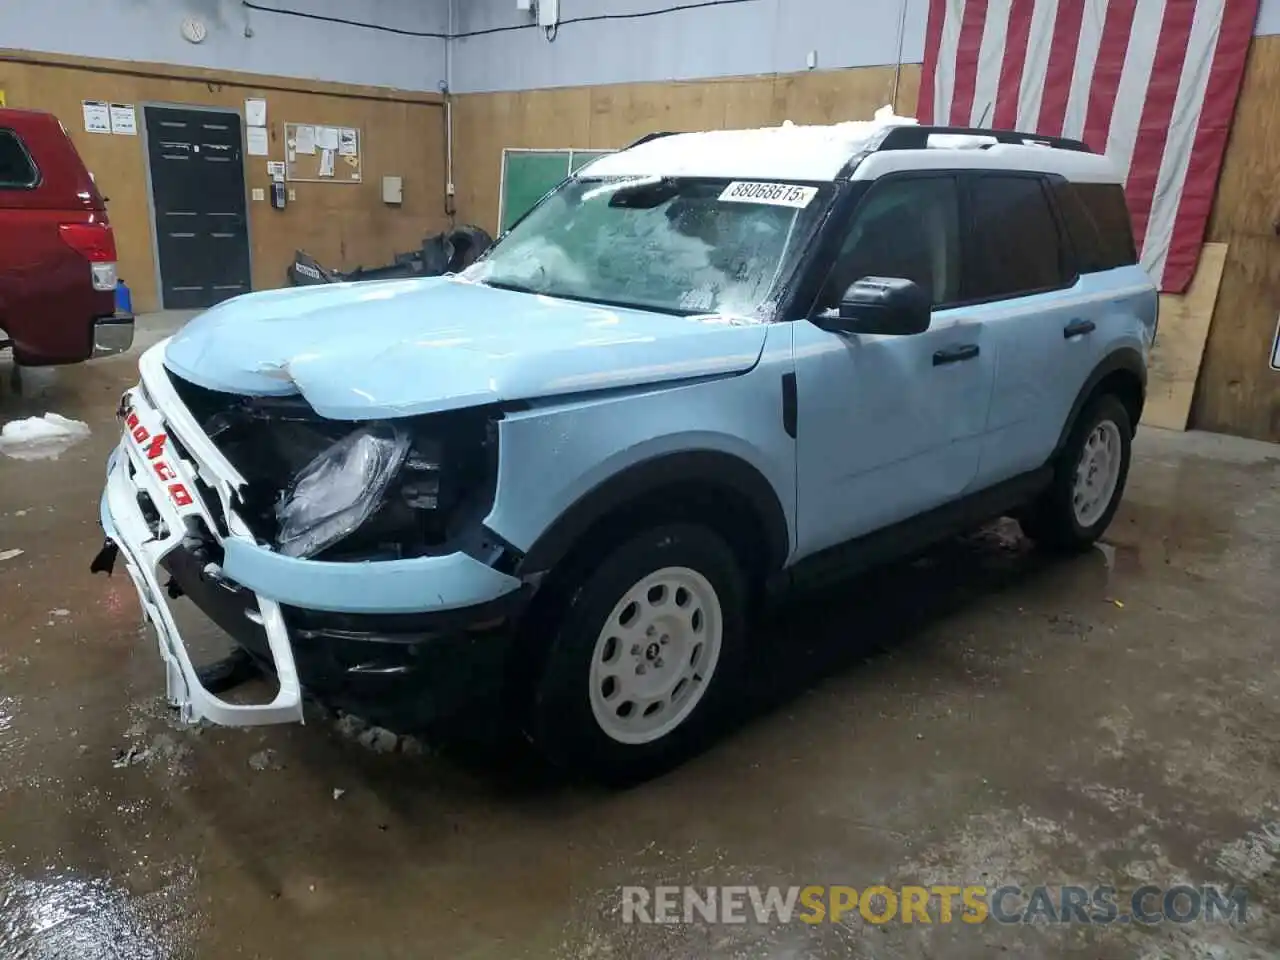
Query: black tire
[[562, 723], [1051, 521]]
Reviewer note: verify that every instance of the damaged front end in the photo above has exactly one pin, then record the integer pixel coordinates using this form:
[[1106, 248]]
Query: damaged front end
[[336, 490], [346, 558]]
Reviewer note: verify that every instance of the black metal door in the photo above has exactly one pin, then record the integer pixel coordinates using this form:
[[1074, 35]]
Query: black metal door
[[197, 189]]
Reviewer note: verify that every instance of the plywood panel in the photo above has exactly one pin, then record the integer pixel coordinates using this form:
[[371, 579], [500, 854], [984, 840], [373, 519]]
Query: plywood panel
[[613, 115], [1176, 356], [1238, 392], [343, 226]]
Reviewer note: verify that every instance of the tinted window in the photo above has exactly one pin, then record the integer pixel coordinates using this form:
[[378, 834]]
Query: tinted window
[[1016, 236], [16, 168], [909, 229], [1097, 221]]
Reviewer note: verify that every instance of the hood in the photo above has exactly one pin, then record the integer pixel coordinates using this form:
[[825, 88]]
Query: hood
[[406, 347]]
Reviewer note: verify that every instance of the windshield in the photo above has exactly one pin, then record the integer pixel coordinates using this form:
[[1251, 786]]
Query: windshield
[[675, 245]]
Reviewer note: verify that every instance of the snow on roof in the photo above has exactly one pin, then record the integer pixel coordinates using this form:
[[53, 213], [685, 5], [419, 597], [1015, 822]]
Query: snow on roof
[[821, 152], [788, 152]]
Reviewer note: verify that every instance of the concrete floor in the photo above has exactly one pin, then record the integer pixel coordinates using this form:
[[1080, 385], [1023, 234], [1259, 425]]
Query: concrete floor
[[980, 716]]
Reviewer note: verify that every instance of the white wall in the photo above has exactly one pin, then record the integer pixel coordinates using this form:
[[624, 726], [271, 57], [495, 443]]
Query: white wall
[[760, 36], [280, 45]]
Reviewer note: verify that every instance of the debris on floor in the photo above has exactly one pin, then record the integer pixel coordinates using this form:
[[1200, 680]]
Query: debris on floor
[[11, 554], [265, 760], [338, 792], [41, 438]]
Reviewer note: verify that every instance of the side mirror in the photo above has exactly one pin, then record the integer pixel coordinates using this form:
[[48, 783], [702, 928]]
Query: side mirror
[[886, 305]]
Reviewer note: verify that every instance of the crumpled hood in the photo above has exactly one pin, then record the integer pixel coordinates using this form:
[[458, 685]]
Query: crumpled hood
[[406, 347]]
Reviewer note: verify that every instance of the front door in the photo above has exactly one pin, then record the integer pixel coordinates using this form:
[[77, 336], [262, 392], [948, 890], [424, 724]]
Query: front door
[[197, 190], [891, 426]]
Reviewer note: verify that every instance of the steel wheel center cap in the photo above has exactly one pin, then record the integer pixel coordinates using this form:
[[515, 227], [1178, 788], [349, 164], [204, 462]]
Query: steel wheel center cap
[[651, 652]]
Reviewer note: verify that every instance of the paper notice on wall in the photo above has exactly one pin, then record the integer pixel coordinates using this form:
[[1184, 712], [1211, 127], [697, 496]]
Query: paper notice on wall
[[97, 116], [326, 163], [327, 138], [306, 140], [347, 142], [275, 169], [255, 113], [124, 119], [256, 141]]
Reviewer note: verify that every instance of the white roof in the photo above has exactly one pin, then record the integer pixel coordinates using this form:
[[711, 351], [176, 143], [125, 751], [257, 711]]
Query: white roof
[[821, 152]]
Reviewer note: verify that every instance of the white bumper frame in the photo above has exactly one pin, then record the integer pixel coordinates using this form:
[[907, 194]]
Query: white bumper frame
[[132, 472]]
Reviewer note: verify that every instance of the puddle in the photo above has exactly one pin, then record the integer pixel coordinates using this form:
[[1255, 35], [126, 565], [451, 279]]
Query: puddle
[[68, 915], [41, 438]]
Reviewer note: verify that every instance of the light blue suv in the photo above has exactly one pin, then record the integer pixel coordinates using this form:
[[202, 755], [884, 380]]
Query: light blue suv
[[706, 366]]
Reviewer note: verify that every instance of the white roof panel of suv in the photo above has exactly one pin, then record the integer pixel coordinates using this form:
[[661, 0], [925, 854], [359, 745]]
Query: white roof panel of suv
[[822, 152]]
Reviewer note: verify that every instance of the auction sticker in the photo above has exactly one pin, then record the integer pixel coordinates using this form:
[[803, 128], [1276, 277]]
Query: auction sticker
[[773, 194]]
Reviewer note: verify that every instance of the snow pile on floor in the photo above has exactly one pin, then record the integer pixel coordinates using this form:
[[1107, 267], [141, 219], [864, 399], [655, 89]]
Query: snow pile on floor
[[40, 438]]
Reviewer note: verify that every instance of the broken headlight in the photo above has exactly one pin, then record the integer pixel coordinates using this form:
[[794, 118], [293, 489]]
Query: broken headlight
[[334, 494]]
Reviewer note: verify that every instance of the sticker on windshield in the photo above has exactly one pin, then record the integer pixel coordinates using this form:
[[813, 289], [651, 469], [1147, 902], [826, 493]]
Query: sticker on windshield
[[774, 194]]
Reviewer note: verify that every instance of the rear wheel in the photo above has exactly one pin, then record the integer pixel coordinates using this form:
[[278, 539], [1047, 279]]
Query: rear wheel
[[645, 657], [1088, 482]]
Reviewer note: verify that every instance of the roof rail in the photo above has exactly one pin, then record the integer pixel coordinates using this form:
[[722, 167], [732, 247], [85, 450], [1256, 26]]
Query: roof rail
[[916, 137], [647, 137]]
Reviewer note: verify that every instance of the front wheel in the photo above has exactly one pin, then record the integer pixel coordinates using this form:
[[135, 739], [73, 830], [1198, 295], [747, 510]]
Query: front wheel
[[1088, 482], [645, 657]]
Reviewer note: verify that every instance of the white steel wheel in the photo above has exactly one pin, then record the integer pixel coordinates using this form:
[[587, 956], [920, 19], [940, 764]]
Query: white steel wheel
[[1097, 473], [656, 655]]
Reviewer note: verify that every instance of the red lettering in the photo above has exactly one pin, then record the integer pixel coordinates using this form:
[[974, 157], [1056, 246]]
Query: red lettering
[[164, 471], [140, 434], [131, 420], [156, 447], [179, 495]]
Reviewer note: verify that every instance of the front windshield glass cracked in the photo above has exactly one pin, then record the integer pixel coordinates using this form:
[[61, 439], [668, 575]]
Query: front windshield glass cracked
[[674, 245]]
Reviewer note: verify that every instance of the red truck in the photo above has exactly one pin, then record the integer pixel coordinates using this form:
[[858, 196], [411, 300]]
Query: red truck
[[57, 251]]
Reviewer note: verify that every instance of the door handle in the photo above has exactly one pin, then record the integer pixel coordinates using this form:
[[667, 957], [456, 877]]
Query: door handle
[[1078, 328], [955, 354]]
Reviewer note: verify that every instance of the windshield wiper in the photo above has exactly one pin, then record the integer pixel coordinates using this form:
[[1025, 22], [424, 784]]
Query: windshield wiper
[[513, 287]]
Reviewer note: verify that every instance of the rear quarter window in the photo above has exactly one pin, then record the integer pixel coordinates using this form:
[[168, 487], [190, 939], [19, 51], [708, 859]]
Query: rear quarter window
[[17, 169], [1097, 221]]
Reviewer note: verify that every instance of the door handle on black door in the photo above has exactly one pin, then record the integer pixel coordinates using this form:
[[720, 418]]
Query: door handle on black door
[[955, 354], [1078, 328]]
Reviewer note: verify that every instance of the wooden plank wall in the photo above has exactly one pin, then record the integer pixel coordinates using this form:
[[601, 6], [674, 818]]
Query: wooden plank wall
[[343, 225], [1235, 392]]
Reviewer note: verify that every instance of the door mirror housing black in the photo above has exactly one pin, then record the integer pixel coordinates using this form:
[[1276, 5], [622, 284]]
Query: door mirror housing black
[[887, 305]]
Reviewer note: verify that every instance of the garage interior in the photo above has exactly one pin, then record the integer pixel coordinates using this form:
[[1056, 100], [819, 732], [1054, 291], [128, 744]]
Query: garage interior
[[980, 715]]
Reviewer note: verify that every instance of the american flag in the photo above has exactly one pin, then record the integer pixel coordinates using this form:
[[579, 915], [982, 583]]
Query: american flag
[[1152, 83]]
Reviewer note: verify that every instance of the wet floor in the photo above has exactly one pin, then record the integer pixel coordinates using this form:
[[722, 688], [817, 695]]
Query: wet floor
[[981, 716]]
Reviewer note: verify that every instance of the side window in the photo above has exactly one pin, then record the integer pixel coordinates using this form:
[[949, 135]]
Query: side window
[[1097, 221], [908, 229], [17, 172], [1016, 237]]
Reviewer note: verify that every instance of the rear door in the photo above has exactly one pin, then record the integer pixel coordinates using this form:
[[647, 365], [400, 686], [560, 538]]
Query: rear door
[[198, 194], [1023, 281]]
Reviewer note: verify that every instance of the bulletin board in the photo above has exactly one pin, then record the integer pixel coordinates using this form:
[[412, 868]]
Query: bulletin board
[[347, 155]]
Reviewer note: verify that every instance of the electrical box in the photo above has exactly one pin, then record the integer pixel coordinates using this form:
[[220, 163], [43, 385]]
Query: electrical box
[[524, 6], [548, 13], [392, 190]]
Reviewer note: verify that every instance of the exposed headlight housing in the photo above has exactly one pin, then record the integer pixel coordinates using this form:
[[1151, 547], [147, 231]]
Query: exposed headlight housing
[[334, 494]]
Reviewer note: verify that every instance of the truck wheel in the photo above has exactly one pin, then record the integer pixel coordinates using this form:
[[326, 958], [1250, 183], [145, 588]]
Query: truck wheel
[[646, 654], [1088, 481]]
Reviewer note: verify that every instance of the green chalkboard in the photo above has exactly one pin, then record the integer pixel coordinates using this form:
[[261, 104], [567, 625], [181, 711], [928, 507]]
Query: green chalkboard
[[527, 175]]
